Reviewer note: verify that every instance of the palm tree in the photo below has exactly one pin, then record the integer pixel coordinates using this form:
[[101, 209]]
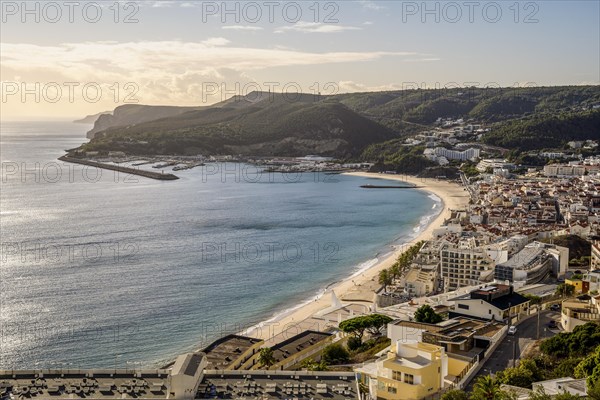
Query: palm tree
[[385, 278], [486, 388], [266, 358], [395, 270]]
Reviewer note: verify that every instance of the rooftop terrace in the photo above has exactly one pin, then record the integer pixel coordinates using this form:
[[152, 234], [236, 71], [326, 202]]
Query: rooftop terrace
[[278, 385], [298, 343], [222, 352]]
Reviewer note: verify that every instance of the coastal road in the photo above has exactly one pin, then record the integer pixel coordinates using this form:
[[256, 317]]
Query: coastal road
[[526, 335]]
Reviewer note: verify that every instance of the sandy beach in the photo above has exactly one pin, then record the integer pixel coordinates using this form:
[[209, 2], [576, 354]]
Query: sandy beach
[[360, 287]]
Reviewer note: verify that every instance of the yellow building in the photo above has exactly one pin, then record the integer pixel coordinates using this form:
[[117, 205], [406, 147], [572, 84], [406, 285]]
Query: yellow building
[[410, 371], [577, 283]]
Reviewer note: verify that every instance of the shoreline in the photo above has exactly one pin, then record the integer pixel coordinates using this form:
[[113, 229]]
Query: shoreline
[[360, 285]]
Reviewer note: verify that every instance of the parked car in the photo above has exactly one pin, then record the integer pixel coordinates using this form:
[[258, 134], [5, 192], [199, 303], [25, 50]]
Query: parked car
[[512, 330], [552, 324], [555, 307]]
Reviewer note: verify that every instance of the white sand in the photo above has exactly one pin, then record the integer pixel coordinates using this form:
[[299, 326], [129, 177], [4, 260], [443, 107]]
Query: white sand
[[361, 287]]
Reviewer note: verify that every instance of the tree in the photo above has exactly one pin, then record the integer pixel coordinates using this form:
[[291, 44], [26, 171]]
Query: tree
[[573, 344], [565, 367], [589, 368], [566, 396], [488, 388], [354, 326], [533, 299], [385, 279], [335, 353], [426, 314], [517, 376], [395, 270], [375, 322], [455, 395], [353, 343], [593, 392], [311, 365], [266, 358], [564, 289], [540, 394], [357, 325]]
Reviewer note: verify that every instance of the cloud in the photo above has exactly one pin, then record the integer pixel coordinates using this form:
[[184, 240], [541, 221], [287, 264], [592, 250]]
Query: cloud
[[422, 59], [371, 5], [166, 72], [315, 27], [213, 42], [242, 28], [352, 87], [163, 4]]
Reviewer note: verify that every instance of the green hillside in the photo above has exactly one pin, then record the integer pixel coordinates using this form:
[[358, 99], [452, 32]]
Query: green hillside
[[277, 127], [370, 126]]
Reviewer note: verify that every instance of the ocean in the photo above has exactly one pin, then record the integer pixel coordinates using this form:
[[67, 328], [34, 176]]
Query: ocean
[[100, 269]]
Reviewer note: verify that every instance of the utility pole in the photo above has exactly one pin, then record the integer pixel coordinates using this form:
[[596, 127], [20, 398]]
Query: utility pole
[[538, 321], [515, 352]]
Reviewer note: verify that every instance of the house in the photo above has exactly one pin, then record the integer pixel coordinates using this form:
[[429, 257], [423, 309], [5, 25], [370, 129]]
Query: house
[[580, 285], [579, 311], [554, 387], [530, 265], [495, 302], [461, 335], [592, 279], [411, 370]]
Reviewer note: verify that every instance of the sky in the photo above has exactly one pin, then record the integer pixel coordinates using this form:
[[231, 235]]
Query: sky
[[68, 59]]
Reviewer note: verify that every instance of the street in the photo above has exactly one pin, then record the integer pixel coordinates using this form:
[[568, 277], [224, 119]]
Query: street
[[526, 334]]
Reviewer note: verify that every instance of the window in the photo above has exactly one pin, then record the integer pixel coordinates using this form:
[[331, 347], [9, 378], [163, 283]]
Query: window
[[391, 389], [489, 311], [408, 378], [396, 375], [463, 306]]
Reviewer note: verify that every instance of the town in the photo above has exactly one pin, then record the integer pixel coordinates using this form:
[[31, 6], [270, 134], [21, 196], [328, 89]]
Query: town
[[514, 267]]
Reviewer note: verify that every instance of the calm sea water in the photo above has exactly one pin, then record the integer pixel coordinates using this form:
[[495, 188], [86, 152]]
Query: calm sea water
[[99, 269]]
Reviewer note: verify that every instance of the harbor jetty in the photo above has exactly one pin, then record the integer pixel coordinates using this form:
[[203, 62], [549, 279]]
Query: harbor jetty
[[388, 187], [126, 170]]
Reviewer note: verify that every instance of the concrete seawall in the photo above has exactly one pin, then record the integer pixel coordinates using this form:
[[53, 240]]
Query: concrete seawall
[[127, 170]]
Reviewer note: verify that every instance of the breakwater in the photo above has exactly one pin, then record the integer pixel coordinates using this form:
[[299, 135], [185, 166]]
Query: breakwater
[[388, 187], [127, 170]]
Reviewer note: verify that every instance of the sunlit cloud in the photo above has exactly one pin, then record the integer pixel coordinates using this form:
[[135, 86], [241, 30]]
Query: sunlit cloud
[[423, 59], [315, 27], [242, 28], [371, 5], [167, 72]]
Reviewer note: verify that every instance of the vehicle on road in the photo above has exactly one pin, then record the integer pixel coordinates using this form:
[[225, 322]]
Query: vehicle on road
[[555, 307], [552, 324], [512, 330]]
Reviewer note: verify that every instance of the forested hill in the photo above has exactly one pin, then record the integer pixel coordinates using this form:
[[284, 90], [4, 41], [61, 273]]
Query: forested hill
[[345, 125]]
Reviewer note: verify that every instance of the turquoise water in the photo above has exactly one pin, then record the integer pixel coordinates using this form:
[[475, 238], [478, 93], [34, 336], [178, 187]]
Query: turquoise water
[[104, 270]]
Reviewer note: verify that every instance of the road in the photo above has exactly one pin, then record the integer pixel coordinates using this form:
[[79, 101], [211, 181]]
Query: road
[[526, 334]]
